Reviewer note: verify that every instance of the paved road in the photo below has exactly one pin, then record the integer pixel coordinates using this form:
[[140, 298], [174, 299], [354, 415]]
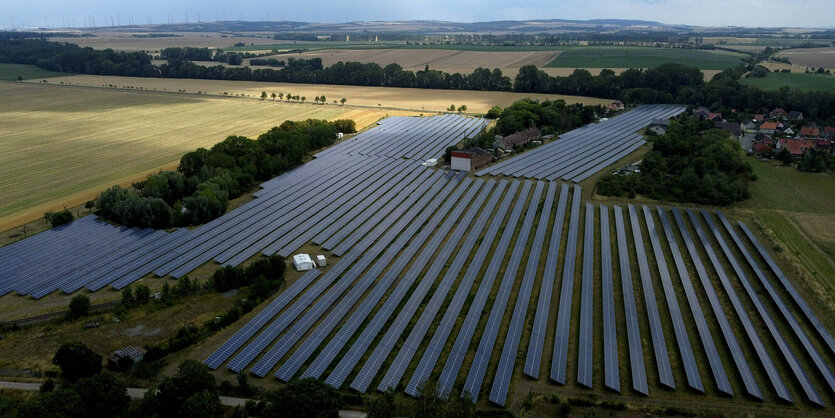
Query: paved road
[[138, 393]]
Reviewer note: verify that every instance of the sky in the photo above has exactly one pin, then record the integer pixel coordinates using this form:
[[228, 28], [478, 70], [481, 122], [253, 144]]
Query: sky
[[79, 13]]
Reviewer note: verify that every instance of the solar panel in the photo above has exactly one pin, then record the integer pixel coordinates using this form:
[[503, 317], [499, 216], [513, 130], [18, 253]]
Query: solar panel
[[705, 336], [662, 359], [691, 371], [773, 375], [610, 336], [559, 358], [543, 306], [585, 369], [633, 331], [498, 393], [776, 335], [741, 363]]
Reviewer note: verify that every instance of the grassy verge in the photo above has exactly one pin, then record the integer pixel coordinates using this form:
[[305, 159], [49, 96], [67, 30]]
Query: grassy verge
[[801, 81]]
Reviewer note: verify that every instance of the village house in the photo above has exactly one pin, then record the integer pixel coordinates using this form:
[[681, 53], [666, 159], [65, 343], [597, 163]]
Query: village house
[[733, 128], [769, 128], [615, 106], [778, 113], [809, 132], [795, 115], [518, 138], [796, 147]]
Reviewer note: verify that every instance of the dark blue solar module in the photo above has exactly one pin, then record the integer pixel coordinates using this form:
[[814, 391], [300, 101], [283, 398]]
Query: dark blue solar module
[[633, 331], [559, 359], [610, 335]]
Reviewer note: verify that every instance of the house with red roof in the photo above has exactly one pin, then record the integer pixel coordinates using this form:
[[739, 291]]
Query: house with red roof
[[715, 117], [759, 117], [796, 147], [810, 132], [761, 147], [778, 113], [828, 132], [769, 128]]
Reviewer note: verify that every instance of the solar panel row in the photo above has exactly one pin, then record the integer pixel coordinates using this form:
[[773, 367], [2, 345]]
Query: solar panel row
[[662, 359], [586, 338], [584, 151], [465, 334], [691, 371], [441, 334], [501, 382], [536, 342], [610, 335], [633, 331], [559, 359]]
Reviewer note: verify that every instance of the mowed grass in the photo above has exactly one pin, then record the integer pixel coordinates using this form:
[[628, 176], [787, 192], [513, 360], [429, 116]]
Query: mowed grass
[[800, 81], [640, 57], [62, 145], [28, 72], [786, 188]]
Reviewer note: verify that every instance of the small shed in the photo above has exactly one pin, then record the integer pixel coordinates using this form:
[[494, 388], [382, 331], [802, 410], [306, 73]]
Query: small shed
[[125, 357], [321, 260], [470, 159], [303, 262]]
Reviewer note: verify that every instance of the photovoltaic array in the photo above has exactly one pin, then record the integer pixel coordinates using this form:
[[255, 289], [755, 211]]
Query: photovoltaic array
[[467, 282], [580, 153]]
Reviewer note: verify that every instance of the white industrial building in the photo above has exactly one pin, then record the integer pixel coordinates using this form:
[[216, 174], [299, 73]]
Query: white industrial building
[[303, 262]]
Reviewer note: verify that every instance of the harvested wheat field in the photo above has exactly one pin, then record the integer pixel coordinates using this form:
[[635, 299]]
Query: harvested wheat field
[[123, 41], [811, 57], [62, 145], [447, 60], [421, 100]]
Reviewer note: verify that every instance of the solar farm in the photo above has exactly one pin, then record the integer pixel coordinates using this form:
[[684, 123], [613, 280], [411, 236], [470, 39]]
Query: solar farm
[[478, 283]]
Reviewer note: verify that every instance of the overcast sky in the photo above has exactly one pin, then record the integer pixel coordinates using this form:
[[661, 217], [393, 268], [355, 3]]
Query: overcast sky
[[57, 13]]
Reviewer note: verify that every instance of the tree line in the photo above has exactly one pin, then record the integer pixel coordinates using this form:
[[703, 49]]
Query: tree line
[[666, 83], [206, 179]]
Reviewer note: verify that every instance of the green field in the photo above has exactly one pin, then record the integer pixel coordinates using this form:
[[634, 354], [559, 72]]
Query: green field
[[637, 57], [12, 71], [786, 188], [315, 46], [801, 81]]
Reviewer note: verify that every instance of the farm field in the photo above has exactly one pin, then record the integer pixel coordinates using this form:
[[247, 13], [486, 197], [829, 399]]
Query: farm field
[[420, 100], [636, 57], [326, 45], [10, 72], [797, 80], [439, 59], [811, 57], [787, 189], [62, 145], [121, 41]]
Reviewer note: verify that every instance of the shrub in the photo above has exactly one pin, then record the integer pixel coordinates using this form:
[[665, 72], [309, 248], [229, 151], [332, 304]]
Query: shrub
[[61, 218], [79, 306], [76, 360]]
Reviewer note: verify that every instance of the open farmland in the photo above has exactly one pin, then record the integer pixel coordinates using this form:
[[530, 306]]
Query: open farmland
[[421, 100], [800, 81], [636, 57], [811, 57], [62, 145], [450, 61], [10, 72], [125, 41]]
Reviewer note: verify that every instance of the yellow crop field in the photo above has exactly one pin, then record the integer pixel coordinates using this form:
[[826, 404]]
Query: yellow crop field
[[61, 145], [420, 100]]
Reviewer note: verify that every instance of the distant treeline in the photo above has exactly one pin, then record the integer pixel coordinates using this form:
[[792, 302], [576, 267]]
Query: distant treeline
[[668, 83], [206, 179]]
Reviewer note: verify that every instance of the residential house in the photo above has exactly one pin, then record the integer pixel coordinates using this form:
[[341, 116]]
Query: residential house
[[659, 126], [788, 132], [795, 115], [750, 126], [769, 128], [759, 117], [796, 147], [615, 106], [701, 113], [761, 147], [778, 113], [715, 117], [810, 132], [731, 127], [518, 138], [823, 145], [828, 132]]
